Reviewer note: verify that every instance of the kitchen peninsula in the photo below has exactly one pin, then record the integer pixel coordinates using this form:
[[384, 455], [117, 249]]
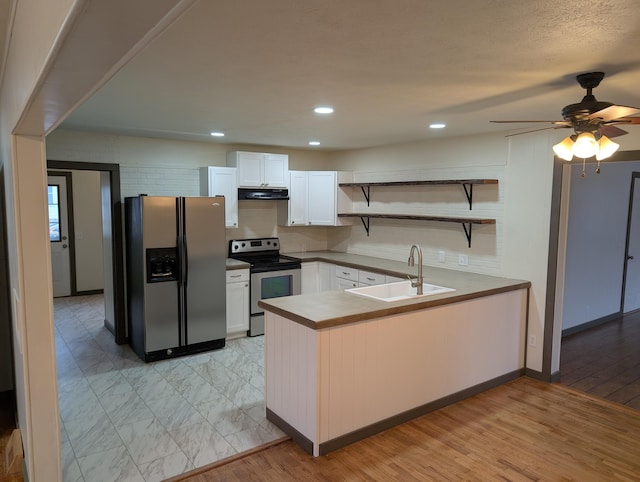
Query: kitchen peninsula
[[340, 367]]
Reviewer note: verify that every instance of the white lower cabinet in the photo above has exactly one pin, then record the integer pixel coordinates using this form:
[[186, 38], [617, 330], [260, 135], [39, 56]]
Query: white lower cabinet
[[316, 276], [344, 278], [309, 278], [237, 302], [368, 278]]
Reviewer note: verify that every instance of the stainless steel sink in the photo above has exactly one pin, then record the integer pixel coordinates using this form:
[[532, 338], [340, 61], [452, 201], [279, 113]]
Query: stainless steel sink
[[401, 290]]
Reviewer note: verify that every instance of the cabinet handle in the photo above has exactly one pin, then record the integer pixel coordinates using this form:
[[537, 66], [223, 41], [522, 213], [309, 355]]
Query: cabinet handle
[[346, 273], [235, 275], [371, 279]]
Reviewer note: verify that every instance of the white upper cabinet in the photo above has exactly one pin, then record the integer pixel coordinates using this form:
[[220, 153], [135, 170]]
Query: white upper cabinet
[[256, 169], [315, 198], [297, 205], [222, 181]]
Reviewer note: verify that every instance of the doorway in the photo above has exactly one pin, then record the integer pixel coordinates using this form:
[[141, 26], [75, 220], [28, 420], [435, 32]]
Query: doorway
[[59, 202], [631, 277], [112, 239]]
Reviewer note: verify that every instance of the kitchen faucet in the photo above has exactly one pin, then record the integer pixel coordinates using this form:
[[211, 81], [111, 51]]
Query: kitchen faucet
[[418, 282]]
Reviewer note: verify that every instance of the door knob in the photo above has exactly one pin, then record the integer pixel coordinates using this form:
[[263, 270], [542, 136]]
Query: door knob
[[629, 257]]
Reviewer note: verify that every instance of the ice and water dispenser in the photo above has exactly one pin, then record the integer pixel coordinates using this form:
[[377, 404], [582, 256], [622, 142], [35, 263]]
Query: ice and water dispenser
[[162, 264]]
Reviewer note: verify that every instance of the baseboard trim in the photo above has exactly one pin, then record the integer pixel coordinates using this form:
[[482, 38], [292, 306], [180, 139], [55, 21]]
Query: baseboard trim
[[356, 435], [297, 437], [364, 432], [590, 324]]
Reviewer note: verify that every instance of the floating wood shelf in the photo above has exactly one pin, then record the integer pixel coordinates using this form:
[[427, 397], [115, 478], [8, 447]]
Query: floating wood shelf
[[467, 223], [467, 185]]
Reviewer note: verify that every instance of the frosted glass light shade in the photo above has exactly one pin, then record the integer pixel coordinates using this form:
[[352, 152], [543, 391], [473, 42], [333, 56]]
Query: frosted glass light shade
[[607, 148], [564, 149], [585, 145]]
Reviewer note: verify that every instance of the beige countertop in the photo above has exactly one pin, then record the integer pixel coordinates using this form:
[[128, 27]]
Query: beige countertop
[[235, 264], [334, 308]]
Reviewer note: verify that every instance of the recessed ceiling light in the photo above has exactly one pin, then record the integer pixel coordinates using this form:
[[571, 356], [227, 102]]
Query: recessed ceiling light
[[314, 143], [437, 125], [217, 134], [323, 110]]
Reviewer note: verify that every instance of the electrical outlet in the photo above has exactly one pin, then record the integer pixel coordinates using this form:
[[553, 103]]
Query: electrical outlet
[[533, 341], [463, 259], [441, 256]]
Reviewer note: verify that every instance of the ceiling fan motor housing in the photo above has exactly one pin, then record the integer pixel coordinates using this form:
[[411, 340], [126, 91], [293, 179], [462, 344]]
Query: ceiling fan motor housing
[[579, 113]]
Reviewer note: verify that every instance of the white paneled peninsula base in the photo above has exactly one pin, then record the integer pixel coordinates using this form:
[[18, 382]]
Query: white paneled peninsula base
[[332, 381]]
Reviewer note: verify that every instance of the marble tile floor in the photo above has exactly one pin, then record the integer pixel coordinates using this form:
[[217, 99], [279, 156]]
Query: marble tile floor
[[124, 420]]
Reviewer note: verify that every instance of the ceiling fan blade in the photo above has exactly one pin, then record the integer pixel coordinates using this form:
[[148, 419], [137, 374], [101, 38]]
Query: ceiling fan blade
[[522, 121], [612, 131], [625, 120], [614, 112], [536, 130]]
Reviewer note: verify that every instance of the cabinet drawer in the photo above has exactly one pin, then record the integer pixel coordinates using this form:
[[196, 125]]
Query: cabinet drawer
[[393, 279], [347, 273], [236, 275], [369, 278]]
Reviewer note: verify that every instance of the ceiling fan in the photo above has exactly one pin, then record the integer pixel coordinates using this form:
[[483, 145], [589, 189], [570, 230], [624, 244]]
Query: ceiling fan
[[593, 122]]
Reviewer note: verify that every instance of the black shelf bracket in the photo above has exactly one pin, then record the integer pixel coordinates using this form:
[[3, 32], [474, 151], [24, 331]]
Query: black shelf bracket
[[469, 192], [366, 224], [367, 195], [467, 232]]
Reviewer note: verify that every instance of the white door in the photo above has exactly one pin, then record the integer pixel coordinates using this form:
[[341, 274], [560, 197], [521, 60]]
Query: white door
[[59, 235], [632, 274]]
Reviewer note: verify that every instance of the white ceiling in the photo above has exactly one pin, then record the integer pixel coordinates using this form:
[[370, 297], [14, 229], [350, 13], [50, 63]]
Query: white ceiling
[[255, 69]]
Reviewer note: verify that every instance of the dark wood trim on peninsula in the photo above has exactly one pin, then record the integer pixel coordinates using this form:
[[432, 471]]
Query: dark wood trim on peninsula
[[297, 437], [368, 431]]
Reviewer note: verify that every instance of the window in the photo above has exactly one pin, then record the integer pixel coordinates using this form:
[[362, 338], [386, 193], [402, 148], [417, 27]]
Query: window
[[54, 212]]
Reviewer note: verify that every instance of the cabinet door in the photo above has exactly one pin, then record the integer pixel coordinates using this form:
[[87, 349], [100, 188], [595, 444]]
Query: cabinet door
[[237, 307], [250, 169], [275, 170], [298, 198], [223, 182], [324, 276], [309, 277], [321, 186]]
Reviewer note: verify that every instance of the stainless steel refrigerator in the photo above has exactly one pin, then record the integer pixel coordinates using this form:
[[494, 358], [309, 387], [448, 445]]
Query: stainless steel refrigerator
[[176, 281]]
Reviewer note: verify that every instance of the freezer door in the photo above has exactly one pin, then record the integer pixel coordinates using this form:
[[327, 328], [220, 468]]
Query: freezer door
[[161, 313], [205, 268]]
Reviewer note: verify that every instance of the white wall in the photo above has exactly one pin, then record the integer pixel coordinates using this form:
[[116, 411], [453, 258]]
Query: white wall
[[34, 30], [87, 214], [39, 87], [597, 228], [164, 167], [516, 247]]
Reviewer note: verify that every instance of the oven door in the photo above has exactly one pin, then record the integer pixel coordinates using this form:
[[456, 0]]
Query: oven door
[[270, 284]]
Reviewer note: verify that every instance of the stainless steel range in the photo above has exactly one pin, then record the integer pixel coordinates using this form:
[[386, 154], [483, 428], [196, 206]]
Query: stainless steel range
[[272, 275]]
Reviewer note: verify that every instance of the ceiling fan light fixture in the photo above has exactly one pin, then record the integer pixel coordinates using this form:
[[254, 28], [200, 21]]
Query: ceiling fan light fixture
[[607, 148], [564, 149], [585, 146]]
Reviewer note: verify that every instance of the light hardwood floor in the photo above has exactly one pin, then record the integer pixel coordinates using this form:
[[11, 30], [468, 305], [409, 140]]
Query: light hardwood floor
[[523, 430]]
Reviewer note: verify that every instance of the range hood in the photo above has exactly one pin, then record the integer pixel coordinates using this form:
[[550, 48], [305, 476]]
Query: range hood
[[262, 194]]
